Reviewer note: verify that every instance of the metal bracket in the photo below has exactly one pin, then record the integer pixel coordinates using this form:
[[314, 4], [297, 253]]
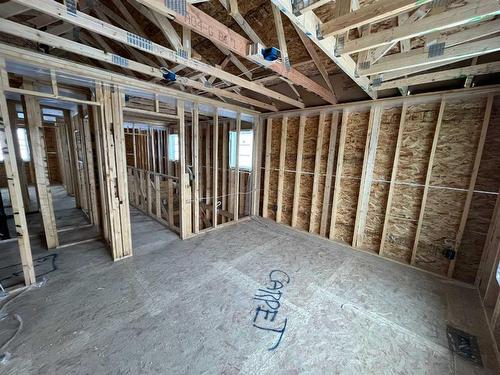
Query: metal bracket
[[436, 49], [118, 60], [178, 6], [71, 7], [139, 41]]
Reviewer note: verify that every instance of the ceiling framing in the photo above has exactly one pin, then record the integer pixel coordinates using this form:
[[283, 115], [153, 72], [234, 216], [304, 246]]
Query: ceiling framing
[[214, 47]]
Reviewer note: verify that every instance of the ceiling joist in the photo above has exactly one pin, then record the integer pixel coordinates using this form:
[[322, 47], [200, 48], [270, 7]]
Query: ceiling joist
[[218, 33], [105, 29]]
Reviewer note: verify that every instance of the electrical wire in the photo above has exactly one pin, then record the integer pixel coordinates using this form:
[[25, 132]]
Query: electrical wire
[[4, 356]]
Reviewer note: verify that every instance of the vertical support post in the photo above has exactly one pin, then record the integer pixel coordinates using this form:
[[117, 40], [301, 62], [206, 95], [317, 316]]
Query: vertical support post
[[237, 169], [317, 170], [90, 173], [256, 153], [196, 169], [281, 172], [14, 183], [267, 167], [157, 196], [184, 206], [329, 173], [110, 130], [367, 175], [97, 122], [338, 173], [298, 171], [20, 162], [224, 167], [215, 144], [394, 173], [427, 181], [208, 174], [39, 157]]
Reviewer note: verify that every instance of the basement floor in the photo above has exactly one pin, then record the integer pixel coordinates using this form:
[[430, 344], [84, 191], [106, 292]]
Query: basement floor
[[189, 307]]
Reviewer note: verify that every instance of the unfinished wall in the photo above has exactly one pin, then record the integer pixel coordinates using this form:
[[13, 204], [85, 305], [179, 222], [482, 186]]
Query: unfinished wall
[[437, 200]]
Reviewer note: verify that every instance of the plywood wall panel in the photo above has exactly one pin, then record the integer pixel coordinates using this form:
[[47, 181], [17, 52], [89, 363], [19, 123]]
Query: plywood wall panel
[[476, 230], [417, 141], [304, 211], [488, 178], [439, 228], [457, 143], [450, 178], [310, 138]]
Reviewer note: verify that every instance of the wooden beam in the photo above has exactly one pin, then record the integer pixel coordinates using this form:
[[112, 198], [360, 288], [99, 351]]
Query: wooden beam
[[225, 169], [81, 49], [338, 173], [443, 75], [14, 185], [232, 7], [394, 173], [218, 33], [329, 171], [281, 172], [375, 54], [317, 170], [372, 13], [367, 175], [215, 164], [280, 32], [256, 162], [298, 171], [237, 169], [310, 5], [418, 58], [472, 183], [308, 24], [33, 118], [105, 29], [196, 169], [427, 182], [267, 167], [311, 50], [451, 18], [184, 211]]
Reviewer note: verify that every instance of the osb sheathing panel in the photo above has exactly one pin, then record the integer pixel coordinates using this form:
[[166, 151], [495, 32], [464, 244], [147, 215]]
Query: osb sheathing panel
[[288, 185], [403, 222], [457, 143], [292, 137], [304, 209], [488, 178], [439, 227], [418, 134], [452, 167], [454, 158], [357, 127], [476, 230], [273, 178], [375, 217], [316, 220], [309, 147], [384, 157]]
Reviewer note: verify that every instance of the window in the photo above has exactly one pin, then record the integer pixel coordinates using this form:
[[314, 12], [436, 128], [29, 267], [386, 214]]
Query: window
[[245, 154], [173, 147], [23, 145]]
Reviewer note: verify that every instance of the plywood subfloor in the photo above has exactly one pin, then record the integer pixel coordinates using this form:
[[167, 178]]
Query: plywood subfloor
[[187, 307]]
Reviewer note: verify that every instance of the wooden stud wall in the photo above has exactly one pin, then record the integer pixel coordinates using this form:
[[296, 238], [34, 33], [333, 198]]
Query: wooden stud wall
[[405, 181]]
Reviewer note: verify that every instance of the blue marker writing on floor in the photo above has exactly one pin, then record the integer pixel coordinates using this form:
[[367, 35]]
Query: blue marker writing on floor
[[266, 312]]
